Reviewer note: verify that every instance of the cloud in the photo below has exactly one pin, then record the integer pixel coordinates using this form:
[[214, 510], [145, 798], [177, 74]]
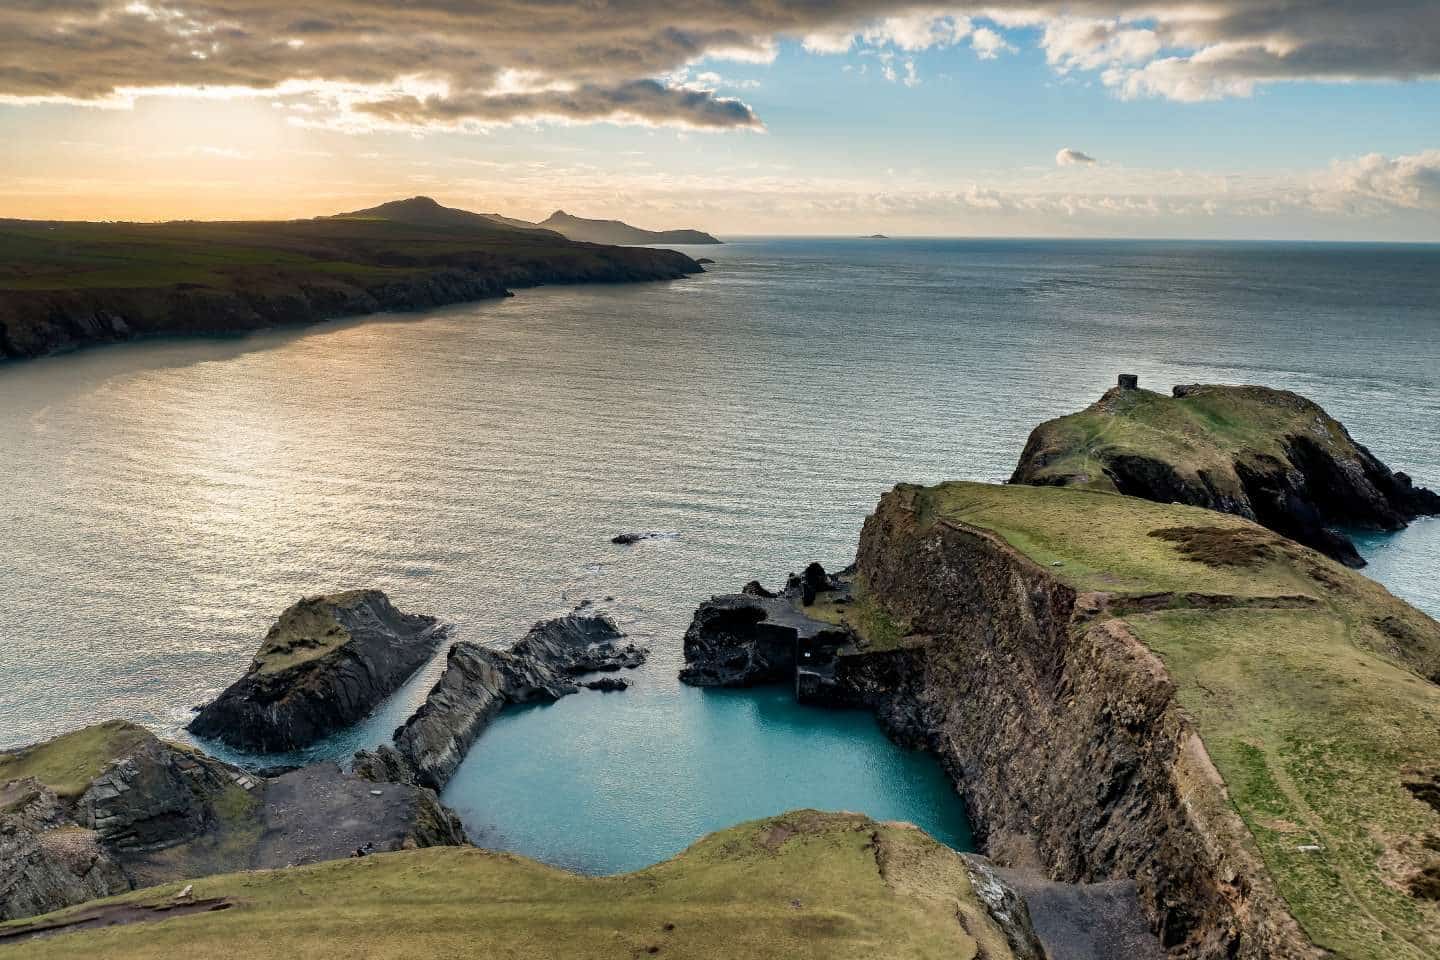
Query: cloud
[[480, 62], [1376, 184], [988, 44], [1067, 157]]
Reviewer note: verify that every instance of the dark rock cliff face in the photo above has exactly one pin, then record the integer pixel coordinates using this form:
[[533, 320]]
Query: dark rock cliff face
[[1058, 726], [35, 323], [1315, 483], [324, 665], [159, 812], [478, 681], [1063, 735]]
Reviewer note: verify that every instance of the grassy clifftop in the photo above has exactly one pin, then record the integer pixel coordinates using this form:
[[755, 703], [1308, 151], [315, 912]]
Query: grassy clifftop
[[1312, 687], [805, 884], [1205, 430], [1271, 456], [68, 763]]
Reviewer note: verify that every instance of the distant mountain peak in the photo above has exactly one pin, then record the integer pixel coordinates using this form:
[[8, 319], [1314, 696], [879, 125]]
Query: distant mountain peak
[[429, 212], [618, 232]]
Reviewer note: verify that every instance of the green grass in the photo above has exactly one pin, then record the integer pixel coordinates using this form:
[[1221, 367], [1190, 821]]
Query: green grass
[[306, 631], [1315, 717], [876, 629], [803, 885], [68, 763], [1100, 541], [1208, 430]]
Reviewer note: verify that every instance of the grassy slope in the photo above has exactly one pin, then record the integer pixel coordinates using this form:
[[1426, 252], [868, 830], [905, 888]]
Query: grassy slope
[[1207, 430], [306, 631], [69, 762], [805, 885], [1314, 717]]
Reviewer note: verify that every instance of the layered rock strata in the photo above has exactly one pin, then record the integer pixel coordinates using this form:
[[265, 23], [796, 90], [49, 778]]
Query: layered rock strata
[[478, 681]]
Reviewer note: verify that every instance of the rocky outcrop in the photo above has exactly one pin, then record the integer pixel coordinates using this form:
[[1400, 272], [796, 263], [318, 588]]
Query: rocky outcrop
[[756, 636], [154, 812], [1006, 907], [323, 666], [478, 681], [47, 859], [1270, 456]]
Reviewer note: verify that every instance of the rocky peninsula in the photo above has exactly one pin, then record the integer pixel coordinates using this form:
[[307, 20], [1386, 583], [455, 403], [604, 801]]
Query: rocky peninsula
[[66, 284], [112, 808], [1151, 692], [478, 681], [325, 664], [1271, 456]]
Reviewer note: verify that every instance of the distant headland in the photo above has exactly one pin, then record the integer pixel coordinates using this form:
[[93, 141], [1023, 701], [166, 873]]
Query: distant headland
[[66, 284]]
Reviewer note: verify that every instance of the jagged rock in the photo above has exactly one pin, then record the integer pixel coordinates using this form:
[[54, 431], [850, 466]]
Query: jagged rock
[[1006, 907], [756, 636], [608, 684], [323, 666], [1271, 456], [478, 681], [47, 860]]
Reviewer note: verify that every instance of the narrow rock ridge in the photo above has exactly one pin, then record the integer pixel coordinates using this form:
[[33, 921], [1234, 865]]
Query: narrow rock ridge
[[478, 681], [1057, 725], [157, 812], [325, 664]]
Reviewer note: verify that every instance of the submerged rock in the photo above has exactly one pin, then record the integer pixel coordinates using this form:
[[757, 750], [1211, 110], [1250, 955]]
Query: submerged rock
[[323, 666], [478, 681], [627, 539], [1271, 456]]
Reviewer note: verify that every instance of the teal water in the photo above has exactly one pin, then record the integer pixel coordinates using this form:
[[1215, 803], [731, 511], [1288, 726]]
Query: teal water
[[161, 502], [603, 794]]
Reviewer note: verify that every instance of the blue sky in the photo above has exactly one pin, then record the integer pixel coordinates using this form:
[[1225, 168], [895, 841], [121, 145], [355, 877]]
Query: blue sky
[[1196, 129]]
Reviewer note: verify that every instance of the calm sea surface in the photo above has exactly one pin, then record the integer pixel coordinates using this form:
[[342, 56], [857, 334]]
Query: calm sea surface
[[162, 502]]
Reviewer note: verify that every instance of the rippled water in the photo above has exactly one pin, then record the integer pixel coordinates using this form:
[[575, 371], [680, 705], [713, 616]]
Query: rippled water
[[163, 501]]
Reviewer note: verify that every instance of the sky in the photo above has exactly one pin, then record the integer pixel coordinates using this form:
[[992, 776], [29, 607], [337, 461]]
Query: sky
[[1285, 119]]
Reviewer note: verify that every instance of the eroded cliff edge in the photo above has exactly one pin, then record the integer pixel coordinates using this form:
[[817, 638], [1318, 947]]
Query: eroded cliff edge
[[1123, 689]]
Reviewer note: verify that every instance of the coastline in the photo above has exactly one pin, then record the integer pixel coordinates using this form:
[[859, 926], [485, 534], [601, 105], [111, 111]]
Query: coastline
[[60, 321]]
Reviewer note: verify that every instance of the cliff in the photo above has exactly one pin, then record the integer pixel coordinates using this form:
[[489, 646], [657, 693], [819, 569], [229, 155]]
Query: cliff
[[1130, 690], [64, 285], [1267, 455], [325, 664], [801, 886], [111, 807], [478, 681]]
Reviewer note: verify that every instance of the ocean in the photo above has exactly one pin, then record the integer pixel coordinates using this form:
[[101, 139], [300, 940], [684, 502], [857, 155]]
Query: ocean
[[163, 501]]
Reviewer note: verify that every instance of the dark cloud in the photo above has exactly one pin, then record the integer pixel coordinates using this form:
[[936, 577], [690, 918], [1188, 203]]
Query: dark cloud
[[487, 61], [1068, 157]]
